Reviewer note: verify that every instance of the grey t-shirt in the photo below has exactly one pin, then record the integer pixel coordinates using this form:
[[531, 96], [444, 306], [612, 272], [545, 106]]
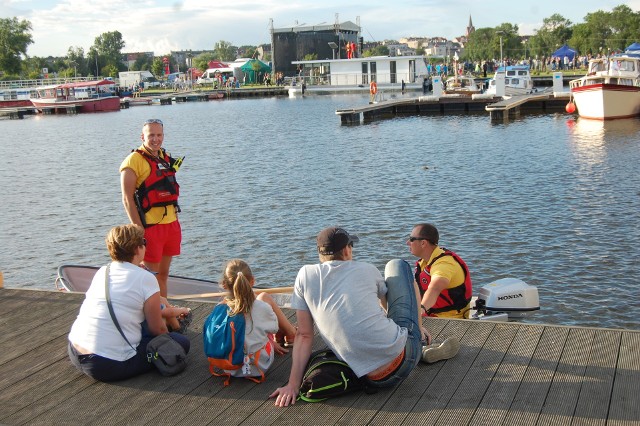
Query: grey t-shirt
[[343, 298]]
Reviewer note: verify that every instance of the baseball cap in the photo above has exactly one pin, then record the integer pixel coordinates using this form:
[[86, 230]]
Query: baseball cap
[[332, 240]]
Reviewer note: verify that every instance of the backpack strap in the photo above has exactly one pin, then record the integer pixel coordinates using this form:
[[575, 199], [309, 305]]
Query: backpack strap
[[107, 295], [224, 374], [256, 360]]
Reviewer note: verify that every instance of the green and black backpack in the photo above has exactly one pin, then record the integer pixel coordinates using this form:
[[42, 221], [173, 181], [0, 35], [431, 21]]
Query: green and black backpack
[[327, 377]]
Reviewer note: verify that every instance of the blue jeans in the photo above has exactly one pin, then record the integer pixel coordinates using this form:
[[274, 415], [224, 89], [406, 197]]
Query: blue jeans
[[402, 308], [109, 370]]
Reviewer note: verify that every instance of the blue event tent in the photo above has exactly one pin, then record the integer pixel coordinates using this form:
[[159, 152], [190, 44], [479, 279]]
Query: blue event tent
[[565, 51], [633, 47]]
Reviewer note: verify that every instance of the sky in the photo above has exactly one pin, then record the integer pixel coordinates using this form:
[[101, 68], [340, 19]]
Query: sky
[[165, 25]]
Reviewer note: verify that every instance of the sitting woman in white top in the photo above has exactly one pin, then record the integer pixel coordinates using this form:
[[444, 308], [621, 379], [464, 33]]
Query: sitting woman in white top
[[96, 347]]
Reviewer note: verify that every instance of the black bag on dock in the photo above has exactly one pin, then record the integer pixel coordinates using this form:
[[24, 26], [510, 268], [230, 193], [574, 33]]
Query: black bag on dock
[[167, 355], [327, 377]]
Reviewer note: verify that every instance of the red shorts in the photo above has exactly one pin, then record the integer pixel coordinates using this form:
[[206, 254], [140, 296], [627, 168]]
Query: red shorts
[[162, 240]]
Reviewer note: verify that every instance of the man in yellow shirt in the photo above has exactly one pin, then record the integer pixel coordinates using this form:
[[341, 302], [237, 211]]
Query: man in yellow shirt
[[150, 197], [442, 276]]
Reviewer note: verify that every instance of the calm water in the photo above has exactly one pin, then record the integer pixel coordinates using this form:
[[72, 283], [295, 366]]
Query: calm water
[[549, 199]]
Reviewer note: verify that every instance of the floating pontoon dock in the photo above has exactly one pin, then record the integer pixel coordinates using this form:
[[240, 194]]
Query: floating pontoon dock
[[429, 105], [505, 373]]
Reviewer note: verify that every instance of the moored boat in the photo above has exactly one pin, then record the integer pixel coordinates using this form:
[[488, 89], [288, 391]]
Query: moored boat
[[610, 90], [17, 97], [215, 95], [87, 96], [517, 80], [137, 101], [504, 299], [464, 85], [77, 278]]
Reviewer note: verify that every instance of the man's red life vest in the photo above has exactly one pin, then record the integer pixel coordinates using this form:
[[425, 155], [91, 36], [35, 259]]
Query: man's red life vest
[[456, 298], [160, 189]]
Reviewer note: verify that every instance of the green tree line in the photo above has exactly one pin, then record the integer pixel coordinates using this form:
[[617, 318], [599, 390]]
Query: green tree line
[[600, 33], [104, 57]]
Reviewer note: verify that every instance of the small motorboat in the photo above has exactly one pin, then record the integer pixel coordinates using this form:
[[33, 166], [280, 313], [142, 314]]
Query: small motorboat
[[517, 80], [505, 299], [611, 89], [463, 85], [77, 278]]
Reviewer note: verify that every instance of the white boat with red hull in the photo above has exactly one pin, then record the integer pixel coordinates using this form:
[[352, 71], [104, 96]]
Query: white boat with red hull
[[611, 88]]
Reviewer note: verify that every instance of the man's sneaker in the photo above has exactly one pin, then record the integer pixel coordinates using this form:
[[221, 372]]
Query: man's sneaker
[[445, 350]]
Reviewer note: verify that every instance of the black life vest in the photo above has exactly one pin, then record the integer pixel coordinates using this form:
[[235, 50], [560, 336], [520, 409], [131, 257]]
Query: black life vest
[[160, 188], [456, 298]]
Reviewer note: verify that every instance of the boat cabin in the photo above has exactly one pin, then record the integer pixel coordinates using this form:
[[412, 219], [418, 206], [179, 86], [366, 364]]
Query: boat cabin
[[517, 80], [82, 90], [623, 69], [384, 70], [18, 94]]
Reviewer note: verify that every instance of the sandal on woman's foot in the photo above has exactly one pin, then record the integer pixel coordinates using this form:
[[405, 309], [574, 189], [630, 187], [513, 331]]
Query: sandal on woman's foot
[[185, 322]]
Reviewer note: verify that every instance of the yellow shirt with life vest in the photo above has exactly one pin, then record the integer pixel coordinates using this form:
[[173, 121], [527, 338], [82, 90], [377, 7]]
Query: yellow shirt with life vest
[[142, 169], [446, 267]]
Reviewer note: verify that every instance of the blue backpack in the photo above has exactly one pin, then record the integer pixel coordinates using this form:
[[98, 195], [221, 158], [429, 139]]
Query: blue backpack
[[223, 338]]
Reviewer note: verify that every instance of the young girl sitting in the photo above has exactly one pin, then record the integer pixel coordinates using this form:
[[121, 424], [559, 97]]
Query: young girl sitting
[[262, 316]]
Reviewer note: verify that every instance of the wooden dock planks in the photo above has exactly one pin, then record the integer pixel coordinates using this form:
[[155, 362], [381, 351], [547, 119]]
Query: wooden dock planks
[[505, 373]]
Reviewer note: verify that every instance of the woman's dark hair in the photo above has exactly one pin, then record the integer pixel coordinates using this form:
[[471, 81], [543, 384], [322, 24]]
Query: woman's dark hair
[[123, 240]]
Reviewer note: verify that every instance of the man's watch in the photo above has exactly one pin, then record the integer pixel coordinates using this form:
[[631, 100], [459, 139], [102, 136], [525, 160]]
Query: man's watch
[[423, 308]]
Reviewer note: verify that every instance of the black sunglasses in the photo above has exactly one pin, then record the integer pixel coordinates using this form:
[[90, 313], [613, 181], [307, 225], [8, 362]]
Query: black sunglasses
[[412, 239], [144, 242]]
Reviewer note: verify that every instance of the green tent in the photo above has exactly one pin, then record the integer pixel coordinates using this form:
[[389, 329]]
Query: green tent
[[254, 68]]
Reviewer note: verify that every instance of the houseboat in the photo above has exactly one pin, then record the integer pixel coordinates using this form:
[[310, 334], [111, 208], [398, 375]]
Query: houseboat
[[86, 96], [388, 72]]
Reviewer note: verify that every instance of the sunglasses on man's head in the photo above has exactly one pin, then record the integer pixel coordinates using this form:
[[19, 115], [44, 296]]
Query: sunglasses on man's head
[[153, 121]]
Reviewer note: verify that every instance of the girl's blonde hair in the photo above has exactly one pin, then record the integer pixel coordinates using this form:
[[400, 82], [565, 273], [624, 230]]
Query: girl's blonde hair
[[237, 279]]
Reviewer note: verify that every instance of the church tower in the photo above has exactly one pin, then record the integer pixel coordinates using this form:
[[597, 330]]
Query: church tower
[[470, 27]]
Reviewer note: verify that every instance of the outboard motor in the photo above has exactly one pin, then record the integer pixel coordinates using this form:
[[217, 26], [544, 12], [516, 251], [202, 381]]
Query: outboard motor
[[505, 299]]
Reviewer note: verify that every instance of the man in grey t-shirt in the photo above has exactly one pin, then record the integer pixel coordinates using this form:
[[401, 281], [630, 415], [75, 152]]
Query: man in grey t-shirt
[[346, 300]]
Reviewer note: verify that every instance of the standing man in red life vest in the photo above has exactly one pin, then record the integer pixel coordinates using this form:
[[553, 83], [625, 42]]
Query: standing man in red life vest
[[442, 276], [150, 197]]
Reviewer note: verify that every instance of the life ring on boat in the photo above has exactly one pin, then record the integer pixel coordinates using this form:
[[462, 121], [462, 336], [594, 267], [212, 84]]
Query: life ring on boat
[[373, 88]]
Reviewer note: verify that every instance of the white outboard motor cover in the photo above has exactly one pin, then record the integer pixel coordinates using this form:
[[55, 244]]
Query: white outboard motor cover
[[511, 295]]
